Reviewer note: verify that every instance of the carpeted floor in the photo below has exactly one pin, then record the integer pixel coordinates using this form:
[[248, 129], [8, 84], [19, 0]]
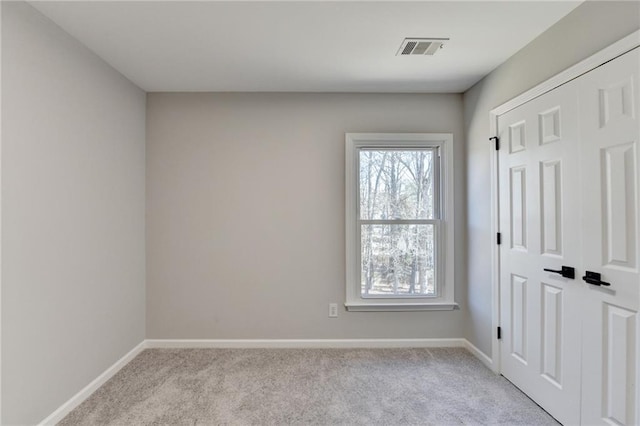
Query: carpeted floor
[[443, 386]]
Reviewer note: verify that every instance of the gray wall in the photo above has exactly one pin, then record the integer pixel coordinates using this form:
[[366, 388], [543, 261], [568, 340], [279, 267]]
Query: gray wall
[[589, 28], [72, 215], [245, 213]]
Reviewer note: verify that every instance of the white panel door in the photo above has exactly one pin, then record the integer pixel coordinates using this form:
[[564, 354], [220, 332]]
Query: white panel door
[[539, 202], [609, 102]]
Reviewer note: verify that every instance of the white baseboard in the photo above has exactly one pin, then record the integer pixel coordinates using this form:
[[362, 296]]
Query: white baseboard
[[78, 398], [81, 396], [306, 343], [484, 358], [323, 343]]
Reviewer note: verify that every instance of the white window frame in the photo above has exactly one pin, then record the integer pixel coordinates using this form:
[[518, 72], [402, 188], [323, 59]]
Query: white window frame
[[444, 298]]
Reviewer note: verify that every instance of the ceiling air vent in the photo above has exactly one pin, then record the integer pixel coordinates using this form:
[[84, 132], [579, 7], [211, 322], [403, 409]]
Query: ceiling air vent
[[420, 46]]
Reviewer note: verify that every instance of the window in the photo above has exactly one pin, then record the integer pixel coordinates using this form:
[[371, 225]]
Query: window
[[399, 216]]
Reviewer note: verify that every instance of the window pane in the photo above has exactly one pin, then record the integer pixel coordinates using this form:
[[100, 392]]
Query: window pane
[[398, 260], [396, 184]]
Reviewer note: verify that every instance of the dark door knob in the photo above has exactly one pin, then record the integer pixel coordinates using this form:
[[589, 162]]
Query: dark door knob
[[566, 272], [593, 278]]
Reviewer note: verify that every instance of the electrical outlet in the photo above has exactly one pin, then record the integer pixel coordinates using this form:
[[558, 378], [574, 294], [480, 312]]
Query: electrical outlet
[[333, 310]]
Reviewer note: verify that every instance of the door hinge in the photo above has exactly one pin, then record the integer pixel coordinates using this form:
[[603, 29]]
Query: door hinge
[[497, 140], [499, 238], [499, 333]]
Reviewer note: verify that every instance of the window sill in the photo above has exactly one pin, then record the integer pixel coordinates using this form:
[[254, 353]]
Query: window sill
[[396, 307]]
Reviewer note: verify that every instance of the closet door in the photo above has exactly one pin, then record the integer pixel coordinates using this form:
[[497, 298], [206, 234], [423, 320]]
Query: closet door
[[539, 206], [609, 102]]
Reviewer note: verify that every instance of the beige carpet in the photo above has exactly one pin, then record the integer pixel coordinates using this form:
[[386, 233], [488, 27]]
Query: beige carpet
[[307, 386]]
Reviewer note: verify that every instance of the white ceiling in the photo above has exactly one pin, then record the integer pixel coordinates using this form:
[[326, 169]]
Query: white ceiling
[[307, 46]]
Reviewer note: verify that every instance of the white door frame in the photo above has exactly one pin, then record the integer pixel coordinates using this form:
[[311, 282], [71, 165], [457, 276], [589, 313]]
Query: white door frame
[[0, 215], [605, 55]]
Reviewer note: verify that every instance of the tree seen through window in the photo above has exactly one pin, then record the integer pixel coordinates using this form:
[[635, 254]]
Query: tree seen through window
[[397, 201]]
